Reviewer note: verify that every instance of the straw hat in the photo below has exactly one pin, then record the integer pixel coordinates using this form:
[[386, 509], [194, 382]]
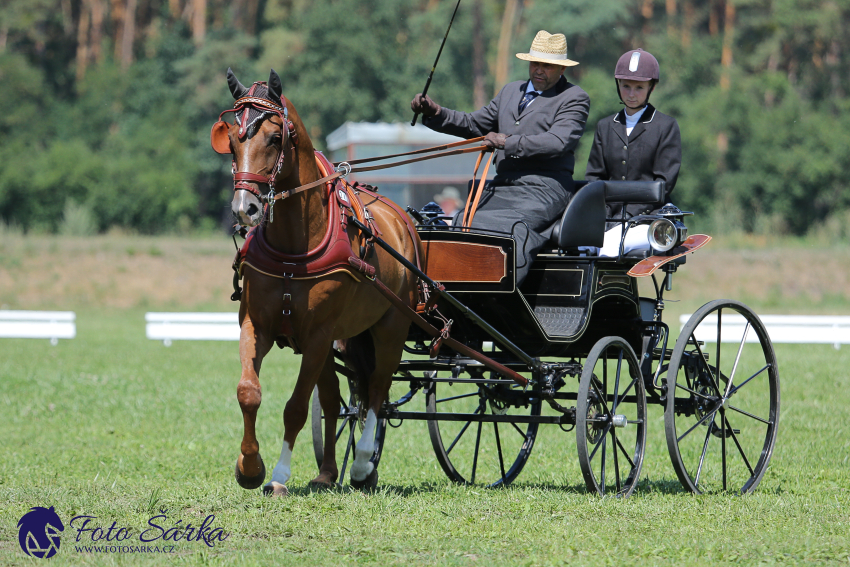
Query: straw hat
[[548, 48], [448, 193]]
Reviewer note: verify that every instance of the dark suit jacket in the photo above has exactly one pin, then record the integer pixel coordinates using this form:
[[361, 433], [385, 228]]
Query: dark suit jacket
[[542, 139], [652, 152]]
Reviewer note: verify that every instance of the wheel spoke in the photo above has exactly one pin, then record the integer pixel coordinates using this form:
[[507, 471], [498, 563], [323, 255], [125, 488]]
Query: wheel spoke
[[604, 454], [694, 392], [623, 395], [617, 381], [600, 396], [697, 424], [741, 385], [714, 381], [348, 448], [737, 359], [499, 450], [723, 443], [704, 451], [616, 460], [717, 352], [522, 433], [738, 444], [475, 458], [345, 421], [462, 431], [598, 443], [625, 453], [748, 414]]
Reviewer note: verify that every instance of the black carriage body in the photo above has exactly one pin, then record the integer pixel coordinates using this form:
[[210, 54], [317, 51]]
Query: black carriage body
[[565, 305]]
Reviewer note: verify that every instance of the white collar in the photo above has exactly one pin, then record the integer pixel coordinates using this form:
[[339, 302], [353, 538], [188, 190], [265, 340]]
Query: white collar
[[529, 87]]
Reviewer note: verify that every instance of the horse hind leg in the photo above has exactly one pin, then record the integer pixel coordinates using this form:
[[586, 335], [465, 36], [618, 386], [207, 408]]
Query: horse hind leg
[[360, 357], [385, 345]]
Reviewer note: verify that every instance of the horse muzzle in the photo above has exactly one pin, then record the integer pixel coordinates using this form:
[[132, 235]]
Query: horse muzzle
[[246, 208]]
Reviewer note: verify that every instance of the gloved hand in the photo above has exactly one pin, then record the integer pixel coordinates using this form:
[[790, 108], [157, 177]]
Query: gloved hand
[[495, 140], [424, 105]]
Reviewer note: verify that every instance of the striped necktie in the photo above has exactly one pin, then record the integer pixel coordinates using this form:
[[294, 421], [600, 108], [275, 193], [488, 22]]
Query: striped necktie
[[526, 100]]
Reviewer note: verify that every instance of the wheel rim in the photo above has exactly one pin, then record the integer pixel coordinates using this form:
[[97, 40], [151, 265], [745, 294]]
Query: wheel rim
[[611, 419], [721, 421], [476, 452], [347, 433]]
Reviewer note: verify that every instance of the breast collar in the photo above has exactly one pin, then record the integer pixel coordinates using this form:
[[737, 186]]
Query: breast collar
[[330, 256]]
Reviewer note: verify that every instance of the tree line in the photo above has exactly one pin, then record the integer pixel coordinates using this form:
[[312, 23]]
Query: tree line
[[109, 102]]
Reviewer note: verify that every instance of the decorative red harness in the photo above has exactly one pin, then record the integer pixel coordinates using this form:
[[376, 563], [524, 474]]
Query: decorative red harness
[[334, 253]]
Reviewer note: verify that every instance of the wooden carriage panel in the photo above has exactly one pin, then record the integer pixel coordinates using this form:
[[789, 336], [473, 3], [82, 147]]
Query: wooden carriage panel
[[464, 262]]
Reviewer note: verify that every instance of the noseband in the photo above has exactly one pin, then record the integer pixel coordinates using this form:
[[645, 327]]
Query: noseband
[[241, 178]]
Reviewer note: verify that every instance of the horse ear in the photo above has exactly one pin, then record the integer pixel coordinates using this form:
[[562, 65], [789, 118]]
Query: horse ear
[[236, 88], [275, 86], [219, 139]]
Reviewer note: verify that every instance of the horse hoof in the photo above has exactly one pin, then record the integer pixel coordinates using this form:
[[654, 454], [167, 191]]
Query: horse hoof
[[251, 482], [367, 484], [325, 481], [275, 490]]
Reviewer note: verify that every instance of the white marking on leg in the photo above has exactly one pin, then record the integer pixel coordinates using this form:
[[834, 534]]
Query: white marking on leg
[[282, 472], [362, 467]]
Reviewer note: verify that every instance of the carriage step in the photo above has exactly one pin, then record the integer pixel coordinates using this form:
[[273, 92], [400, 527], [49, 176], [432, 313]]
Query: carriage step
[[560, 321]]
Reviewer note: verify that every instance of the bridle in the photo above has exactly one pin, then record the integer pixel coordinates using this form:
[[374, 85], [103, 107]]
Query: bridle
[[241, 178]]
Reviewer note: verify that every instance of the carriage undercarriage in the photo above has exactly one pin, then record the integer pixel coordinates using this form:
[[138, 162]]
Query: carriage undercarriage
[[594, 354]]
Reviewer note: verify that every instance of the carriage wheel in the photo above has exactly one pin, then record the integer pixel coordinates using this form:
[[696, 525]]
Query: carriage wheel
[[721, 420], [348, 430], [470, 452], [611, 418]]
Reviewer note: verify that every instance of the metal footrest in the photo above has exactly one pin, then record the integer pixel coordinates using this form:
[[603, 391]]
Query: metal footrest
[[560, 321]]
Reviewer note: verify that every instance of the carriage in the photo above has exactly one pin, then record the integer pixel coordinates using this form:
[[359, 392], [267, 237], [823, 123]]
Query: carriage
[[576, 346]]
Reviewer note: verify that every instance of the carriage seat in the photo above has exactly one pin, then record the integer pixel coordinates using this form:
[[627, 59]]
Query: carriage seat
[[583, 221]]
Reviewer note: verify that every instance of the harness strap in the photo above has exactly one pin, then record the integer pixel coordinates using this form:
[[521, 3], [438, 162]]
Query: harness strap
[[448, 341]]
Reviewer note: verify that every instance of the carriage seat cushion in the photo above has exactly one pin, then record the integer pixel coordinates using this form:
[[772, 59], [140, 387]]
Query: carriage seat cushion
[[583, 221]]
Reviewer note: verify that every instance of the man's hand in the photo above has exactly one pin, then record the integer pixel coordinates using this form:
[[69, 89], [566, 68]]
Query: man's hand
[[422, 104], [494, 140]]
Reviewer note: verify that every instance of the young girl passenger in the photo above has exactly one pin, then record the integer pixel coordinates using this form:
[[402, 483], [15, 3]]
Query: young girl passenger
[[636, 144]]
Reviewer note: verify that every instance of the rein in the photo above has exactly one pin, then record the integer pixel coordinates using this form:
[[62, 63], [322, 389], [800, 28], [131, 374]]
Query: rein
[[343, 168]]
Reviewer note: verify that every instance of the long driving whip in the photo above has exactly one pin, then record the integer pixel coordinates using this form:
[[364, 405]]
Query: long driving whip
[[431, 76]]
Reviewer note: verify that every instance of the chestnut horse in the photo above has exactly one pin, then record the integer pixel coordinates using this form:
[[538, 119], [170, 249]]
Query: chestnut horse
[[273, 155]]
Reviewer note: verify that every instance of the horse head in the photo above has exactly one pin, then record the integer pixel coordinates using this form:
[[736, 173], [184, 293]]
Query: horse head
[[261, 139]]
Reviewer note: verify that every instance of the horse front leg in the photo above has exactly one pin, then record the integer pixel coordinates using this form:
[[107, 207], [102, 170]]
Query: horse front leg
[[313, 361], [250, 470]]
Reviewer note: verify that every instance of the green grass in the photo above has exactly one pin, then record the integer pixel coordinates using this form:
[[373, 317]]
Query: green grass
[[115, 426]]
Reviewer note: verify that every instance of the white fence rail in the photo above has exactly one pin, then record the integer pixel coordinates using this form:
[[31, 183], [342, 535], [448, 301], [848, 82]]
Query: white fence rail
[[53, 325], [167, 327], [800, 329]]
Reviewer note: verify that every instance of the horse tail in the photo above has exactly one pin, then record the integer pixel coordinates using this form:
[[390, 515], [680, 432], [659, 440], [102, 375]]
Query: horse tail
[[359, 355]]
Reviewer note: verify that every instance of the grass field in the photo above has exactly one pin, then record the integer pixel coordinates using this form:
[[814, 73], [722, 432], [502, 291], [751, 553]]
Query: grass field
[[114, 426]]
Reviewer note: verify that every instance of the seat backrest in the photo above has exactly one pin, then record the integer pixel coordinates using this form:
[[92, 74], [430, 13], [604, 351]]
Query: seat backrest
[[635, 192], [583, 221]]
